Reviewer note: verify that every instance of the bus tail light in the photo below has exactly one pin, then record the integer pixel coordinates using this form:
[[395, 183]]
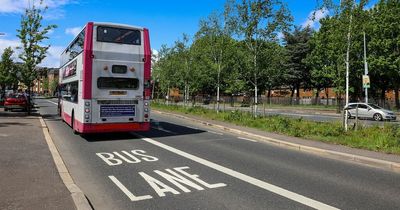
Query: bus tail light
[[146, 115], [87, 110], [86, 116]]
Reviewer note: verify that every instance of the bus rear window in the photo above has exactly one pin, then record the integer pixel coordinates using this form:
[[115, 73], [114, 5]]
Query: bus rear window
[[117, 83], [118, 35]]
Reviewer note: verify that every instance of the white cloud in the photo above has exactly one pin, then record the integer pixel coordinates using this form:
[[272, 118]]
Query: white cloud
[[73, 31], [4, 43], [314, 17], [19, 6], [53, 57], [53, 54]]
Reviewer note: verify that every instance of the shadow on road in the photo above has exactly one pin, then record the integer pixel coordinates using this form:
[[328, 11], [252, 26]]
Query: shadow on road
[[7, 124], [158, 129]]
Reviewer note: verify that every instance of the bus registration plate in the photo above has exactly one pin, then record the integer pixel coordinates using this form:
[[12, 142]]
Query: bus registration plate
[[117, 110]]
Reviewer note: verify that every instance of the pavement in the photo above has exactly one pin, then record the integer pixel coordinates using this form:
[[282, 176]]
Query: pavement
[[34, 176], [29, 176]]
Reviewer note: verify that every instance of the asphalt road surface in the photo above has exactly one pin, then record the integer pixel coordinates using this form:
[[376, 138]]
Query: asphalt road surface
[[313, 115], [183, 165]]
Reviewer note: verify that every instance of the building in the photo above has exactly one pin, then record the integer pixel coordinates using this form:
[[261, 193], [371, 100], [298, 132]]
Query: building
[[46, 81]]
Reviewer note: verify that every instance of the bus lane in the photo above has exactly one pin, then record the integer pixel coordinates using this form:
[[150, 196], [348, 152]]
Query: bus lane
[[123, 171]]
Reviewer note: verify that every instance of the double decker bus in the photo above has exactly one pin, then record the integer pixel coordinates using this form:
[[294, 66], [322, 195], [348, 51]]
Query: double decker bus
[[104, 79]]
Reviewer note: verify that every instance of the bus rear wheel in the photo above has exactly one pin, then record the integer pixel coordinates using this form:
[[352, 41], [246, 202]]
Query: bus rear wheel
[[73, 124]]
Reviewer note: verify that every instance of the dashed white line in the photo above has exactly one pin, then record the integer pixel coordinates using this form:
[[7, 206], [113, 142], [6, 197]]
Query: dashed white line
[[192, 127], [213, 132], [165, 130], [52, 102], [256, 182], [252, 140]]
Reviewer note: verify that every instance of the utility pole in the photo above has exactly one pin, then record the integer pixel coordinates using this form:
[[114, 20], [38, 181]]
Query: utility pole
[[365, 68]]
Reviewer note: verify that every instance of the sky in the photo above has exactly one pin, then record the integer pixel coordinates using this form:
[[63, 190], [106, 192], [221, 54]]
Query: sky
[[166, 20]]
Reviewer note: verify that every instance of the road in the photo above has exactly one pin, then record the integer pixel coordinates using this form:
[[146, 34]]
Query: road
[[313, 115], [183, 165]]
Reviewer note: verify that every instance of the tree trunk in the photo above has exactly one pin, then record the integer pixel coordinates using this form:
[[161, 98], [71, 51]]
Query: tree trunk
[[317, 97], [396, 98], [383, 96], [269, 96], [29, 100]]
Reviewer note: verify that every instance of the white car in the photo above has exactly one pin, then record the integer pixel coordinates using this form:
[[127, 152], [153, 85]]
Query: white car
[[369, 111]]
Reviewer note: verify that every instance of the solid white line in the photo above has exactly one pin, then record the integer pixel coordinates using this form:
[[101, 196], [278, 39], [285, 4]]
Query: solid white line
[[79, 199], [264, 185], [213, 132], [52, 102], [247, 139]]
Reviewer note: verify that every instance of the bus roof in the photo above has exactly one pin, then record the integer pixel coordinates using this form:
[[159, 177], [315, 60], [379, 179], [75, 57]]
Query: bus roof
[[118, 25], [107, 24]]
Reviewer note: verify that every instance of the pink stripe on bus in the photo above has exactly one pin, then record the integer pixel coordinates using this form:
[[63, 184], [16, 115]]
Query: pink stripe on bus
[[147, 63], [87, 62]]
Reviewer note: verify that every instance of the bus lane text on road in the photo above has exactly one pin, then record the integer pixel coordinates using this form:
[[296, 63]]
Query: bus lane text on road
[[163, 182]]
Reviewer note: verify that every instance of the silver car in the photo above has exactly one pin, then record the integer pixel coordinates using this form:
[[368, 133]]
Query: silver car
[[369, 111]]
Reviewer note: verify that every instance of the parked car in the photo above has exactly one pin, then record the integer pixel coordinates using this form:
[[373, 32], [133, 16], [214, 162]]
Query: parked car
[[15, 101], [369, 111]]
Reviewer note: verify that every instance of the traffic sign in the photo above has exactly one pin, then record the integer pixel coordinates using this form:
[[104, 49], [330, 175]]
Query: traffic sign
[[366, 81]]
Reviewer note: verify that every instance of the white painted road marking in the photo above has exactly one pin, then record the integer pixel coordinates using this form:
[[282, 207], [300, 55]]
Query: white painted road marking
[[52, 102], [180, 180], [247, 139], [213, 132], [165, 130], [127, 192], [264, 185], [192, 127]]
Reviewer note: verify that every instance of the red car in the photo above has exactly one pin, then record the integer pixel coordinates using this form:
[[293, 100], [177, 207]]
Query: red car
[[16, 101]]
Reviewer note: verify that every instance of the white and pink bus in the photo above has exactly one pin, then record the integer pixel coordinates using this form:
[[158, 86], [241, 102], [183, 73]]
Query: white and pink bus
[[104, 80]]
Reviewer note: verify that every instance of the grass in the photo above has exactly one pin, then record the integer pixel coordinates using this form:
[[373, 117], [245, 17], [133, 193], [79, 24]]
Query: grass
[[383, 139]]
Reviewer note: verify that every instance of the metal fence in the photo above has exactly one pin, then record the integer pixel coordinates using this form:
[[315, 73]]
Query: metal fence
[[247, 101]]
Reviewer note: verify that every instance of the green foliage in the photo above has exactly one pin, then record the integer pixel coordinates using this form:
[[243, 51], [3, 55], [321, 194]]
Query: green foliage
[[53, 86], [46, 84], [238, 50], [8, 69], [32, 33]]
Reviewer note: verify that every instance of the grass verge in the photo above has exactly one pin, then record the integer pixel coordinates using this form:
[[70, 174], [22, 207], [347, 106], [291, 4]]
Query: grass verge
[[384, 139]]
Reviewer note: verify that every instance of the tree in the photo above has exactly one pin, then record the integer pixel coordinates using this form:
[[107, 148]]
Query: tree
[[32, 33], [297, 49], [384, 47], [53, 87], [257, 21], [46, 85], [182, 48], [8, 70], [218, 33]]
